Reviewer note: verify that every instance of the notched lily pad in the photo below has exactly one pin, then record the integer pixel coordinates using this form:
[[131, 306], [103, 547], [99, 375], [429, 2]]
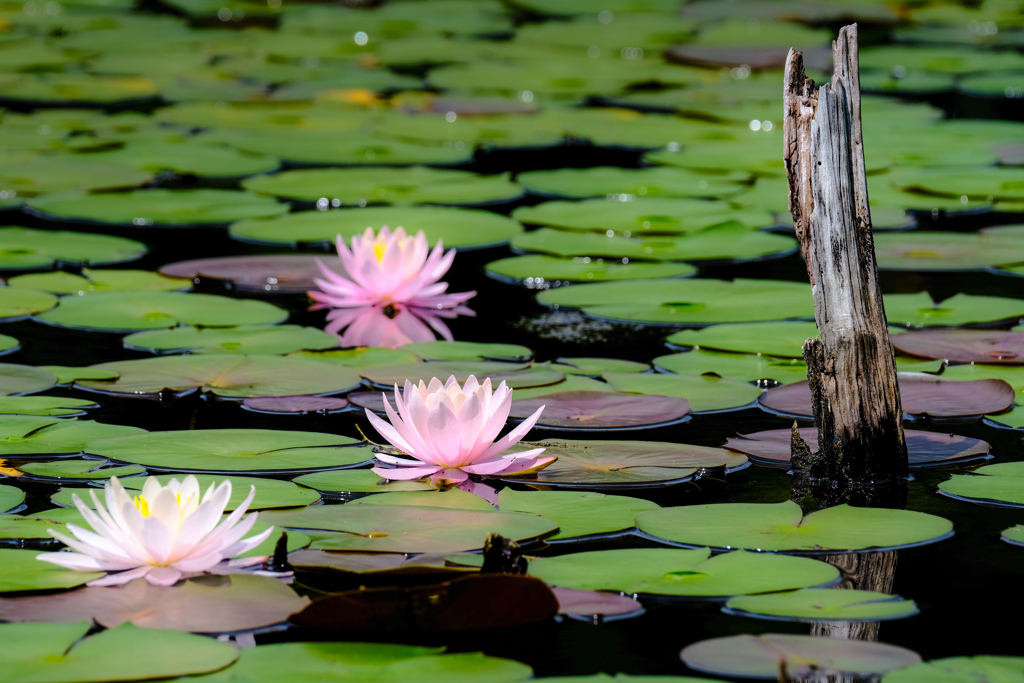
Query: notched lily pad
[[78, 471], [17, 380], [964, 346], [999, 485], [18, 302], [818, 604], [243, 339], [281, 274], [577, 513], [295, 405], [601, 410], [92, 281], [29, 248], [334, 483], [980, 668], [706, 393], [53, 406], [442, 350], [25, 435]]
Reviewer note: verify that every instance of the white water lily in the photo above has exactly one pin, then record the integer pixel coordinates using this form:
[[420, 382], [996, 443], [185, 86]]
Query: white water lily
[[164, 534]]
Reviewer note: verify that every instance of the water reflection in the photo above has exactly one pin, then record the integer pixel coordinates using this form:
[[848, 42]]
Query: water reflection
[[392, 325]]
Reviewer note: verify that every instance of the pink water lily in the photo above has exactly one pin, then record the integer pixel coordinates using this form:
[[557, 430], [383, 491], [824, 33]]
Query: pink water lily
[[164, 534], [388, 268], [450, 432], [390, 326]]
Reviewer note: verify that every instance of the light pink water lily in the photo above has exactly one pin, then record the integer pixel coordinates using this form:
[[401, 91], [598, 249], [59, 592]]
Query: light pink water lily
[[451, 430], [388, 268], [164, 534], [390, 326]]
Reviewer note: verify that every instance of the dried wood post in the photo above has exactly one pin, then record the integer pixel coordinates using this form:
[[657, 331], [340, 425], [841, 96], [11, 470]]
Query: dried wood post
[[851, 369]]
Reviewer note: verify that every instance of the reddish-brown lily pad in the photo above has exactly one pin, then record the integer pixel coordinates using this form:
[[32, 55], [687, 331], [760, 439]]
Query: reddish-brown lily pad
[[601, 410], [963, 346], [921, 395], [283, 274], [756, 58], [925, 449], [595, 604], [210, 605], [295, 404]]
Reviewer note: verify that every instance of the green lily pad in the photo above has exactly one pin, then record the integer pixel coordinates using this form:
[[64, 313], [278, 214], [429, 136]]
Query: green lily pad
[[627, 184], [804, 656], [358, 357], [780, 527], [687, 302], [224, 375], [601, 410], [187, 158], [28, 248], [146, 208], [356, 481], [10, 498], [739, 366], [577, 513], [461, 228], [408, 529], [783, 339], [944, 59], [918, 310], [13, 527], [957, 669], [233, 450], [19, 302], [689, 573], [601, 464], [642, 216], [570, 383], [16, 380], [8, 344], [21, 571], [53, 406], [513, 374], [67, 374], [131, 311], [32, 176], [91, 281], [817, 604], [1014, 535], [452, 499], [270, 493], [945, 251], [593, 367], [62, 89], [244, 339], [540, 272], [705, 392], [981, 184], [1001, 485], [79, 470], [442, 350], [25, 435], [362, 186]]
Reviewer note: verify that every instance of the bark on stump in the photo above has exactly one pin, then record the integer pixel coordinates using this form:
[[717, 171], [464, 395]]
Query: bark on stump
[[851, 369]]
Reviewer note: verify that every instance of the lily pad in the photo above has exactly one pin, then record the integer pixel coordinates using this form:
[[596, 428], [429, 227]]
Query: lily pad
[[284, 274], [601, 410], [462, 228], [356, 481], [513, 374], [358, 357], [600, 464], [689, 573], [245, 339], [10, 498], [781, 527], [957, 669], [981, 184], [739, 366], [224, 375], [230, 451], [157, 207], [537, 271], [918, 310], [760, 656], [1014, 535], [237, 603], [921, 394], [577, 513], [66, 374], [29, 248], [407, 529], [818, 604], [442, 350], [593, 367], [25, 435], [21, 571], [628, 184], [63, 89], [595, 606], [452, 499], [964, 346], [131, 311], [639, 217], [362, 186], [295, 405], [1000, 485], [783, 339], [33, 176], [18, 302], [687, 302], [705, 393], [78, 470], [927, 251], [18, 380], [8, 344], [92, 281], [187, 158], [924, 449], [44, 405]]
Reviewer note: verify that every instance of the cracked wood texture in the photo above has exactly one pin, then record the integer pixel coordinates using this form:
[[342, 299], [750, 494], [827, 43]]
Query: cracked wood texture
[[851, 369]]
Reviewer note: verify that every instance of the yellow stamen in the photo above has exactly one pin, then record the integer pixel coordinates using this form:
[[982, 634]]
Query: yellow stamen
[[142, 505], [378, 249]]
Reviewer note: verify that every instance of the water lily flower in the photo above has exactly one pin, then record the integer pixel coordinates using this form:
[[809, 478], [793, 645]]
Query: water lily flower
[[388, 268], [164, 534], [451, 430]]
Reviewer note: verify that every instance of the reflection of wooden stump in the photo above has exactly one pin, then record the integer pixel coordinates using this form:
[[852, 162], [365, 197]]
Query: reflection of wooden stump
[[860, 571]]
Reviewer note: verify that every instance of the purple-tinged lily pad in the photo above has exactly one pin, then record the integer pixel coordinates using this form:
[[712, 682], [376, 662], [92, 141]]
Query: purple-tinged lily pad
[[283, 274], [963, 346], [591, 605], [373, 563], [236, 603], [18, 380], [925, 449], [515, 375], [762, 656], [601, 410], [298, 405], [921, 395]]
